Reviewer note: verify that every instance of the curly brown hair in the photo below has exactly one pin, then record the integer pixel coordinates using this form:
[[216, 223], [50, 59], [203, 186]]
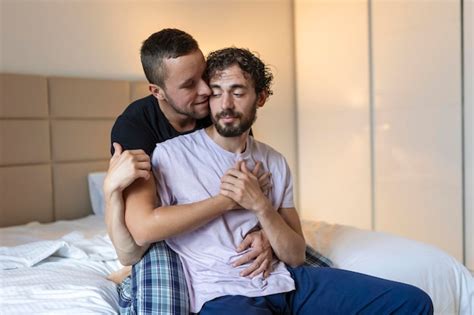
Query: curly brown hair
[[247, 61]]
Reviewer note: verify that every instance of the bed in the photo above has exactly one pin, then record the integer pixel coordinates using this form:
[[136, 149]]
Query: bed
[[68, 275], [55, 254]]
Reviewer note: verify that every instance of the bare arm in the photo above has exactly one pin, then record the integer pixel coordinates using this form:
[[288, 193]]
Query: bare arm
[[124, 169], [120, 183], [282, 228], [128, 251], [148, 223], [284, 232]]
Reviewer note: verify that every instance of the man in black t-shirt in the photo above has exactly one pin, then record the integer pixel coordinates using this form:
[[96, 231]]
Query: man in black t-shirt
[[178, 104]]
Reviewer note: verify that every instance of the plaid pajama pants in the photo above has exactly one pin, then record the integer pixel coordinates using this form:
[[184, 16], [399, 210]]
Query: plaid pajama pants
[[157, 284]]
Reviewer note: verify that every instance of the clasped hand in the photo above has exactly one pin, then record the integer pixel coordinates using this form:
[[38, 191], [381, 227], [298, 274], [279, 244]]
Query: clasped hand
[[125, 167], [248, 189], [245, 187]]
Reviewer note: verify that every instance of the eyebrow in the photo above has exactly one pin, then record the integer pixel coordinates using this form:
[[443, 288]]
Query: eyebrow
[[187, 82], [232, 87]]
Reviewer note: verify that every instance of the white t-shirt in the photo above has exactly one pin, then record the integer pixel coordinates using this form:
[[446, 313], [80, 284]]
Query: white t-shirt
[[189, 168]]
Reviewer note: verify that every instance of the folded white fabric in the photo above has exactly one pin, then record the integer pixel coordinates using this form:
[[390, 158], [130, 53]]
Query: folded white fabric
[[72, 245]]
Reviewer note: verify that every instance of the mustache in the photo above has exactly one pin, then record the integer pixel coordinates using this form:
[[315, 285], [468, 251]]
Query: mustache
[[228, 113]]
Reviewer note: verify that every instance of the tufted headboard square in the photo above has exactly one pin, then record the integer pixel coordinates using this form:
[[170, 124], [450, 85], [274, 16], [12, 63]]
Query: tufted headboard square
[[53, 132]]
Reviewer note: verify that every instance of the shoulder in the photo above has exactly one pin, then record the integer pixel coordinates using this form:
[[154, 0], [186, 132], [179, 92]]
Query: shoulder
[[182, 140], [275, 161], [178, 144], [133, 128], [266, 150], [145, 105]]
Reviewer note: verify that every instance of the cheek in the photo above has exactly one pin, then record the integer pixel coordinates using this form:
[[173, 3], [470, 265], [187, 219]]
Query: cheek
[[183, 97], [214, 103]]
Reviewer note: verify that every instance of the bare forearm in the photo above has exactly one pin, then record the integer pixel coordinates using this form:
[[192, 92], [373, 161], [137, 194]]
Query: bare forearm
[[156, 224], [125, 246], [287, 244]]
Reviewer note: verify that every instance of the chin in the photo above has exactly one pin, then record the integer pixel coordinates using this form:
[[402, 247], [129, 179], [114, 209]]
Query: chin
[[201, 115]]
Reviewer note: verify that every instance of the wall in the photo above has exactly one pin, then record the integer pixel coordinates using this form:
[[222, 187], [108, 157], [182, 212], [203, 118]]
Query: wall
[[469, 129], [101, 39], [368, 155], [379, 116], [417, 88], [333, 111]]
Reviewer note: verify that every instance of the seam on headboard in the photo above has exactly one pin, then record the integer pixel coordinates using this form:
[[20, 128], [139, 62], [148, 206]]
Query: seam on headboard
[[48, 97]]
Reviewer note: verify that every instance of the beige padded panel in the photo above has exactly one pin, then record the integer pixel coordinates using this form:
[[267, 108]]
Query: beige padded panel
[[71, 192], [75, 140], [23, 96], [84, 98], [24, 141], [25, 194], [138, 89]]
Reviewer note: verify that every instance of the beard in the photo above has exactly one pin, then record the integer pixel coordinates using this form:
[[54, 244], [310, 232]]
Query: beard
[[192, 113], [244, 124]]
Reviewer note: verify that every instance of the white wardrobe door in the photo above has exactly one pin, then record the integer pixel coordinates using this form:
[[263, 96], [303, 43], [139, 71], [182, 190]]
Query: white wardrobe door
[[469, 129], [333, 111], [417, 95]]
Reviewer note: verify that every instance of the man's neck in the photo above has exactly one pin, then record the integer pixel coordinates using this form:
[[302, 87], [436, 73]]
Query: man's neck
[[231, 144], [180, 122]]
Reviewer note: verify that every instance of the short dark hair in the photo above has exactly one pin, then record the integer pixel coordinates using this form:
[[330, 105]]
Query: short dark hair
[[247, 61], [167, 43]]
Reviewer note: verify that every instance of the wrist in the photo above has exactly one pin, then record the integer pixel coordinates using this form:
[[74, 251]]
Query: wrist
[[263, 207], [110, 188], [226, 202]]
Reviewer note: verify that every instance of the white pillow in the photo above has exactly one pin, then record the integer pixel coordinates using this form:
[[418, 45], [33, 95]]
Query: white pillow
[[449, 284], [96, 193]]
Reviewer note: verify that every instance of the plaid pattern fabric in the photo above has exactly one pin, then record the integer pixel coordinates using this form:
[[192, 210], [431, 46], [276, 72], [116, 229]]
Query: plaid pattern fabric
[[157, 284], [315, 259]]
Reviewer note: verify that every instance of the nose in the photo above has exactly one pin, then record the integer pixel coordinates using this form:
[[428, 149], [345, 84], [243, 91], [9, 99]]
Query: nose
[[204, 88], [227, 101]]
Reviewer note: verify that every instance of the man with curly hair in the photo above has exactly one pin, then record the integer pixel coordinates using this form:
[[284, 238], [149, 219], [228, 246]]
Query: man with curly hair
[[220, 165], [178, 104]]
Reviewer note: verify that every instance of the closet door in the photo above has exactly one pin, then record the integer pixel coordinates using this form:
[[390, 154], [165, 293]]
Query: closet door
[[418, 142], [333, 111]]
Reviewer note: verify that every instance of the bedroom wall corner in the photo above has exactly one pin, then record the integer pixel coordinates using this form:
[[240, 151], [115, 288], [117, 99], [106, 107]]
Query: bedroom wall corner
[[469, 132]]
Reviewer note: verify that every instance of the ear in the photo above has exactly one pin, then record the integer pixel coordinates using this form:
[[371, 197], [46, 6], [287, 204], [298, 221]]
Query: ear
[[157, 91], [261, 98]]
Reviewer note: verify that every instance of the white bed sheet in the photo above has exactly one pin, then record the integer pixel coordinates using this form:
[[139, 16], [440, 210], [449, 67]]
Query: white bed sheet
[[69, 280], [73, 280]]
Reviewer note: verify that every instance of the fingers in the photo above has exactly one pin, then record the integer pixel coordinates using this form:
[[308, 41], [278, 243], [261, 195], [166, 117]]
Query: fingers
[[143, 166], [248, 240], [234, 173], [256, 169], [231, 183], [262, 269], [237, 164], [117, 148], [248, 257], [258, 266], [268, 271], [243, 167], [143, 174], [264, 181]]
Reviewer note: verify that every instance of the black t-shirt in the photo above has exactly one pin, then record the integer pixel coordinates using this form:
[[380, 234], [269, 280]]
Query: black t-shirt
[[142, 125]]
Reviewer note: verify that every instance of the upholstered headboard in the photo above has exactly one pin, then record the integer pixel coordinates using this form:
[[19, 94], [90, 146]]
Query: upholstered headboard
[[53, 132]]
